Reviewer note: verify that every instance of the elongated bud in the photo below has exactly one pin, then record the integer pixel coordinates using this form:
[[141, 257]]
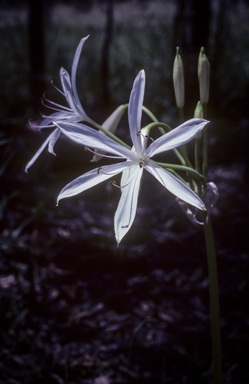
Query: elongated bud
[[111, 124], [203, 75], [198, 110], [198, 113], [178, 79]]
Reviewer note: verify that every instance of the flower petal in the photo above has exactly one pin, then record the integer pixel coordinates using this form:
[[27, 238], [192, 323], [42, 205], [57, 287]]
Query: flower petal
[[53, 139], [37, 154], [177, 137], [111, 124], [65, 80], [127, 207], [135, 110], [92, 178], [89, 137], [74, 69], [57, 116], [175, 186], [67, 88]]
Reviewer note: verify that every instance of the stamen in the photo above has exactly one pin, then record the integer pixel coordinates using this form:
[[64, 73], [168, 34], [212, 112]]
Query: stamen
[[54, 109], [113, 182], [144, 136], [57, 105], [101, 154], [38, 126], [104, 173], [153, 146], [57, 89]]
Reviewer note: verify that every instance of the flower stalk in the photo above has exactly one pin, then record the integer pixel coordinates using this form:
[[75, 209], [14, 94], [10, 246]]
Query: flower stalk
[[214, 302]]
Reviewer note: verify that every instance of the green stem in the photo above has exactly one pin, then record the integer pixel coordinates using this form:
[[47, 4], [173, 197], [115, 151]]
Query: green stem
[[214, 302], [181, 115], [205, 153], [197, 150], [150, 114], [111, 135], [205, 145], [193, 172]]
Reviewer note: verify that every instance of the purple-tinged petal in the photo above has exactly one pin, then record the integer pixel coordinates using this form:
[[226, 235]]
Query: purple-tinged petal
[[92, 178], [89, 137], [74, 69], [37, 154], [127, 207], [177, 137], [53, 139], [175, 186], [135, 110]]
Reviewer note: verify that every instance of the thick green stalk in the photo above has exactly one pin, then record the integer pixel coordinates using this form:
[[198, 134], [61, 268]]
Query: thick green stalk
[[197, 149], [205, 145], [214, 302], [178, 167], [111, 135]]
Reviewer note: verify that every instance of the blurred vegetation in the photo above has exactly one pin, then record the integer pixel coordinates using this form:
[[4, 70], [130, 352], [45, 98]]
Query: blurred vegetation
[[145, 35], [36, 237]]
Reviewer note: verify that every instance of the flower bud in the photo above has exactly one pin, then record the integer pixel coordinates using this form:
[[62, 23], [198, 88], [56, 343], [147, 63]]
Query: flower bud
[[198, 110], [111, 124], [203, 75], [178, 79]]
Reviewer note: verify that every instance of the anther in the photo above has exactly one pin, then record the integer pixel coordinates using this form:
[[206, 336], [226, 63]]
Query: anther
[[138, 133], [86, 148], [113, 182], [98, 170]]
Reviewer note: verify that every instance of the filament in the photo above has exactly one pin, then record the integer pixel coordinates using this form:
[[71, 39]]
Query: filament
[[101, 154], [58, 105], [57, 89], [38, 126], [113, 182]]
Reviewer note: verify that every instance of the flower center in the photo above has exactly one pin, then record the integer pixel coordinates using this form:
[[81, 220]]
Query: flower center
[[141, 162]]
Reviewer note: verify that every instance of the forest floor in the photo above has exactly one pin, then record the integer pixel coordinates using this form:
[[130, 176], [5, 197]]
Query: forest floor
[[75, 309]]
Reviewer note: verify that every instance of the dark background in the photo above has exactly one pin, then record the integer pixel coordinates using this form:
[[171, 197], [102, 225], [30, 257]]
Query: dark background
[[73, 307]]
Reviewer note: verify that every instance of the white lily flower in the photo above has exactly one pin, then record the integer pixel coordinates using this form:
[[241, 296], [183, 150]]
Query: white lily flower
[[73, 113], [138, 160]]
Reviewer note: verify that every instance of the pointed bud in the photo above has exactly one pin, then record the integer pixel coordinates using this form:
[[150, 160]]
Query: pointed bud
[[111, 124], [198, 110], [203, 75], [178, 79]]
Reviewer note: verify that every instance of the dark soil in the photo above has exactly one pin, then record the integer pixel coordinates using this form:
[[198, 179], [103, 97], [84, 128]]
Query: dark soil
[[75, 309]]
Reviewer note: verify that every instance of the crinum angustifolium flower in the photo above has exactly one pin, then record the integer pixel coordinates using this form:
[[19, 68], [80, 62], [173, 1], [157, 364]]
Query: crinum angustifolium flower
[[137, 160], [74, 113]]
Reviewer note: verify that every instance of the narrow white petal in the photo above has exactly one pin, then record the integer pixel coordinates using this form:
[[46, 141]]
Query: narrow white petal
[[177, 137], [37, 154], [53, 139], [74, 69], [135, 110], [175, 186], [65, 80], [57, 116], [127, 207], [89, 137], [92, 178]]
